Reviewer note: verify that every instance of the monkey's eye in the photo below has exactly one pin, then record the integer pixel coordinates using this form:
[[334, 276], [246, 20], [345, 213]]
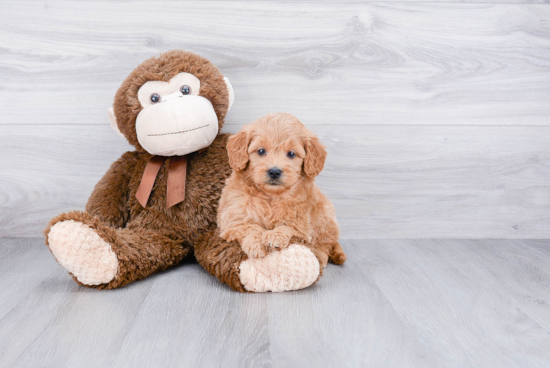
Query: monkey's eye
[[291, 154], [185, 89], [155, 98], [261, 152]]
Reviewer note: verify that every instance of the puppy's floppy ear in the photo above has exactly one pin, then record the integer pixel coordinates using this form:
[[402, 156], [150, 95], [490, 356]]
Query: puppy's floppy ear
[[315, 156], [237, 150]]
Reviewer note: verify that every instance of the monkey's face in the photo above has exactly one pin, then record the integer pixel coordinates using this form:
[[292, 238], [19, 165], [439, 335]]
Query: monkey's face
[[172, 105], [175, 120]]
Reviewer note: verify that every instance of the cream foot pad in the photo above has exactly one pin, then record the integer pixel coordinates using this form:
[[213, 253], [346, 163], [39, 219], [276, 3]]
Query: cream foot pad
[[292, 268], [82, 252]]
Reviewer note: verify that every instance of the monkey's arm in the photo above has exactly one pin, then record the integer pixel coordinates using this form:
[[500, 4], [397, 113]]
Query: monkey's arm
[[109, 200]]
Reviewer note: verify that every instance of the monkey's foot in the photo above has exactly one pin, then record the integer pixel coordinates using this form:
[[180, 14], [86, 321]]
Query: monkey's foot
[[82, 252], [292, 268]]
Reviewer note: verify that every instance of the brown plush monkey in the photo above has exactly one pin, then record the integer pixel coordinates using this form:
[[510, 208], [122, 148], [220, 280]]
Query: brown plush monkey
[[157, 204]]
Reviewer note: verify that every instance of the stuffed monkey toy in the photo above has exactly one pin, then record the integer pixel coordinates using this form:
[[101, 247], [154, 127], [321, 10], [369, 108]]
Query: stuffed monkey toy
[[158, 204]]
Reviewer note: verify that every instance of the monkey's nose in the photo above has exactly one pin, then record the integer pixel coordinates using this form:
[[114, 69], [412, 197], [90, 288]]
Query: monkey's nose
[[171, 96], [274, 173]]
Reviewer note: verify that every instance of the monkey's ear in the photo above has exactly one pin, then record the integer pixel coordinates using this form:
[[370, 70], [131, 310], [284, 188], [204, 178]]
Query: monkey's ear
[[230, 92], [237, 150], [315, 156], [112, 119]]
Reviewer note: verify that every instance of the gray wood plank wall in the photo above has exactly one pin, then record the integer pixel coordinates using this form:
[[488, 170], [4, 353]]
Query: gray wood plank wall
[[436, 115]]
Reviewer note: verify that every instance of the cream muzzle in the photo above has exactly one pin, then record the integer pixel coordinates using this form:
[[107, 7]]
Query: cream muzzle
[[177, 125]]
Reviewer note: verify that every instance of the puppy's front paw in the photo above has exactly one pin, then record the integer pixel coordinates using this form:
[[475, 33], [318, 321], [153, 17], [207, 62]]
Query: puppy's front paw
[[277, 238], [253, 246]]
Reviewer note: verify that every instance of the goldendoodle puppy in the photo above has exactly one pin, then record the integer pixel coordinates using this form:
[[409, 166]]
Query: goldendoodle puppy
[[270, 200]]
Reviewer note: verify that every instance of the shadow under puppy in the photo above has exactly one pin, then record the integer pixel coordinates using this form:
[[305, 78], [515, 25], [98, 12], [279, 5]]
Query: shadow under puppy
[[270, 201]]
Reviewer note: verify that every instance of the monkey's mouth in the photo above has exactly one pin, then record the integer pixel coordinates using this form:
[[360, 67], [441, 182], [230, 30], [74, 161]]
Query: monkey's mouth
[[180, 132]]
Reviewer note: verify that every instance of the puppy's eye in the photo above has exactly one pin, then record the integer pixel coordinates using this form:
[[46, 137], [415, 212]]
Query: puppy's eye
[[155, 98], [291, 154], [261, 152], [185, 90]]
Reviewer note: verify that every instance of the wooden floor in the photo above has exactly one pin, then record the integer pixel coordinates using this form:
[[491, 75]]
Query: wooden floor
[[395, 303]]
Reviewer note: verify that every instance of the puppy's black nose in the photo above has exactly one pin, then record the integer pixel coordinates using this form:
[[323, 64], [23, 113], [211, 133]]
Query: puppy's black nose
[[274, 173]]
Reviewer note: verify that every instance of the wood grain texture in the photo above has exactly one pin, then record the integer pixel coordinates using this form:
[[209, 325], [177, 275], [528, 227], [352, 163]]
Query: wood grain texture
[[385, 181], [436, 114], [332, 63], [395, 303]]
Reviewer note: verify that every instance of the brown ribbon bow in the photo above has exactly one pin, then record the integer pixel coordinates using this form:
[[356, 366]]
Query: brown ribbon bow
[[175, 191]]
